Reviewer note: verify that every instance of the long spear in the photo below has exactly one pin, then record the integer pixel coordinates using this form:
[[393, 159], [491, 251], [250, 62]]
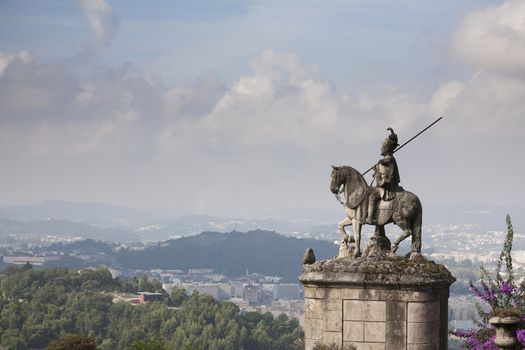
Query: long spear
[[403, 145]]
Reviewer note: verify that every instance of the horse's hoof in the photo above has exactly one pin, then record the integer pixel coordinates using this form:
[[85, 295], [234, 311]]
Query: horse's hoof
[[392, 255], [415, 256], [356, 254]]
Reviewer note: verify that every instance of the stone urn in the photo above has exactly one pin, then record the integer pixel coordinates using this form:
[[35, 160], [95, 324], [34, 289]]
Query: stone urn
[[506, 331]]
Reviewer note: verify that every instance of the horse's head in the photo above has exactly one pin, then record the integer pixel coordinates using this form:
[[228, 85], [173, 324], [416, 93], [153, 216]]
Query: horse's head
[[337, 180], [355, 184]]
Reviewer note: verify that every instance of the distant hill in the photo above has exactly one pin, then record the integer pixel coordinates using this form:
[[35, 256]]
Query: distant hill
[[156, 224], [109, 222], [88, 246], [92, 213], [230, 254], [57, 227]]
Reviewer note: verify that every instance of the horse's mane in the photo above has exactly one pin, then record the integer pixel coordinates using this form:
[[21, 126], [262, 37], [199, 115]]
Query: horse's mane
[[349, 171]]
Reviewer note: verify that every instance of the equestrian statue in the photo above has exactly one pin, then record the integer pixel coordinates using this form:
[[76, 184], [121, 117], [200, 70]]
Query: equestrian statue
[[386, 202]]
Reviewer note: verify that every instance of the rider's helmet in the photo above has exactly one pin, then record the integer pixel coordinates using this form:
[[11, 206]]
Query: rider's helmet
[[390, 142]]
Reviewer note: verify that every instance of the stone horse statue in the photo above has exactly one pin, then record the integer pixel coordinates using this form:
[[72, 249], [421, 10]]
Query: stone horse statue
[[404, 210]]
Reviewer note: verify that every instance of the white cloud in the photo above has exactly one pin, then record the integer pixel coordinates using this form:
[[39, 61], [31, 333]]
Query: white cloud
[[102, 20], [445, 95], [285, 102], [195, 101], [51, 110], [494, 37], [8, 58], [488, 106]]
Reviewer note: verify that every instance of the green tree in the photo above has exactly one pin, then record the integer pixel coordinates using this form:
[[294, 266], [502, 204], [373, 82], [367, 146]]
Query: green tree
[[73, 342], [178, 296], [38, 306], [151, 344]]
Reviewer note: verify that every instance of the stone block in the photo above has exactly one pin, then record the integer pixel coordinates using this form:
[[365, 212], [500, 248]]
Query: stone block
[[347, 343], [309, 344], [370, 294], [420, 333], [396, 311], [423, 311], [313, 329], [356, 310], [333, 305], [333, 321], [350, 293], [369, 346], [353, 310], [421, 296], [375, 331], [407, 295], [421, 347], [395, 325], [333, 338], [443, 321], [391, 294], [353, 331], [313, 308], [333, 293], [314, 292]]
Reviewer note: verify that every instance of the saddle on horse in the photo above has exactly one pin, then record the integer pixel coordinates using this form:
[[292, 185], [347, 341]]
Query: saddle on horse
[[380, 205], [381, 214]]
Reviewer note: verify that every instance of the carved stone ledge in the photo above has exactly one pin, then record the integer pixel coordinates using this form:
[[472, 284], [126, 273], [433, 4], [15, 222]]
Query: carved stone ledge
[[394, 271]]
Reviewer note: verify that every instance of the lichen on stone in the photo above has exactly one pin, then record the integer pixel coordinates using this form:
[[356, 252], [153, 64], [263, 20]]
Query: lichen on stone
[[391, 270]]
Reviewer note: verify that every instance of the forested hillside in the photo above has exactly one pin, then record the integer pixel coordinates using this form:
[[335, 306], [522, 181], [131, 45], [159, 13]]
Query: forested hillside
[[38, 307], [230, 254]]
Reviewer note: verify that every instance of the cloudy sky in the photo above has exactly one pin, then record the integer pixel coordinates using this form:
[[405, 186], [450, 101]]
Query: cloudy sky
[[240, 107]]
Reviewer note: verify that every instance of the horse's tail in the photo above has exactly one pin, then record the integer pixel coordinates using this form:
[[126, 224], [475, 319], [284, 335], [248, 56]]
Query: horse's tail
[[417, 222]]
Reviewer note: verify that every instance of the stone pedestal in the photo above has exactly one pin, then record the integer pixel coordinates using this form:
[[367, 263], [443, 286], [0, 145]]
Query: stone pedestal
[[390, 304]]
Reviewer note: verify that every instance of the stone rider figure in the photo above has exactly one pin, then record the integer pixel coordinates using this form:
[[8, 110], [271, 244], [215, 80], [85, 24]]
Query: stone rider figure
[[386, 175]]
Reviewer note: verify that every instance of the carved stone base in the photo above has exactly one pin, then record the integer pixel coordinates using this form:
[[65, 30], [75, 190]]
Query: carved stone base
[[346, 250], [391, 304], [379, 245]]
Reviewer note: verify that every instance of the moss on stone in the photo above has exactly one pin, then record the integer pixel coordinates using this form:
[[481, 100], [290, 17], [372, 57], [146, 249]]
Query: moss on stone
[[506, 312], [390, 270]]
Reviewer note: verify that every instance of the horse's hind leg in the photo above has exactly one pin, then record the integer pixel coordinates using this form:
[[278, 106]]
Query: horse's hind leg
[[342, 224], [416, 234], [407, 232]]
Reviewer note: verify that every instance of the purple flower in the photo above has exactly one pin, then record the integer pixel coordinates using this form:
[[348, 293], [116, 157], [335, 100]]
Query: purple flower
[[472, 340], [464, 333], [521, 336], [506, 288], [486, 293], [489, 344]]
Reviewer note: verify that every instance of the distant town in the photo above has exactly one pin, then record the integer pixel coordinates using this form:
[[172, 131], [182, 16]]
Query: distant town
[[63, 243]]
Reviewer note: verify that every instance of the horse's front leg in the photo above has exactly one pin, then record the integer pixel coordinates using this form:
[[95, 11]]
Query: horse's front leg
[[357, 235], [342, 224]]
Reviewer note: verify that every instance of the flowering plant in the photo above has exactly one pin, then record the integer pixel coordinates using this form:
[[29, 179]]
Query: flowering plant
[[502, 294]]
